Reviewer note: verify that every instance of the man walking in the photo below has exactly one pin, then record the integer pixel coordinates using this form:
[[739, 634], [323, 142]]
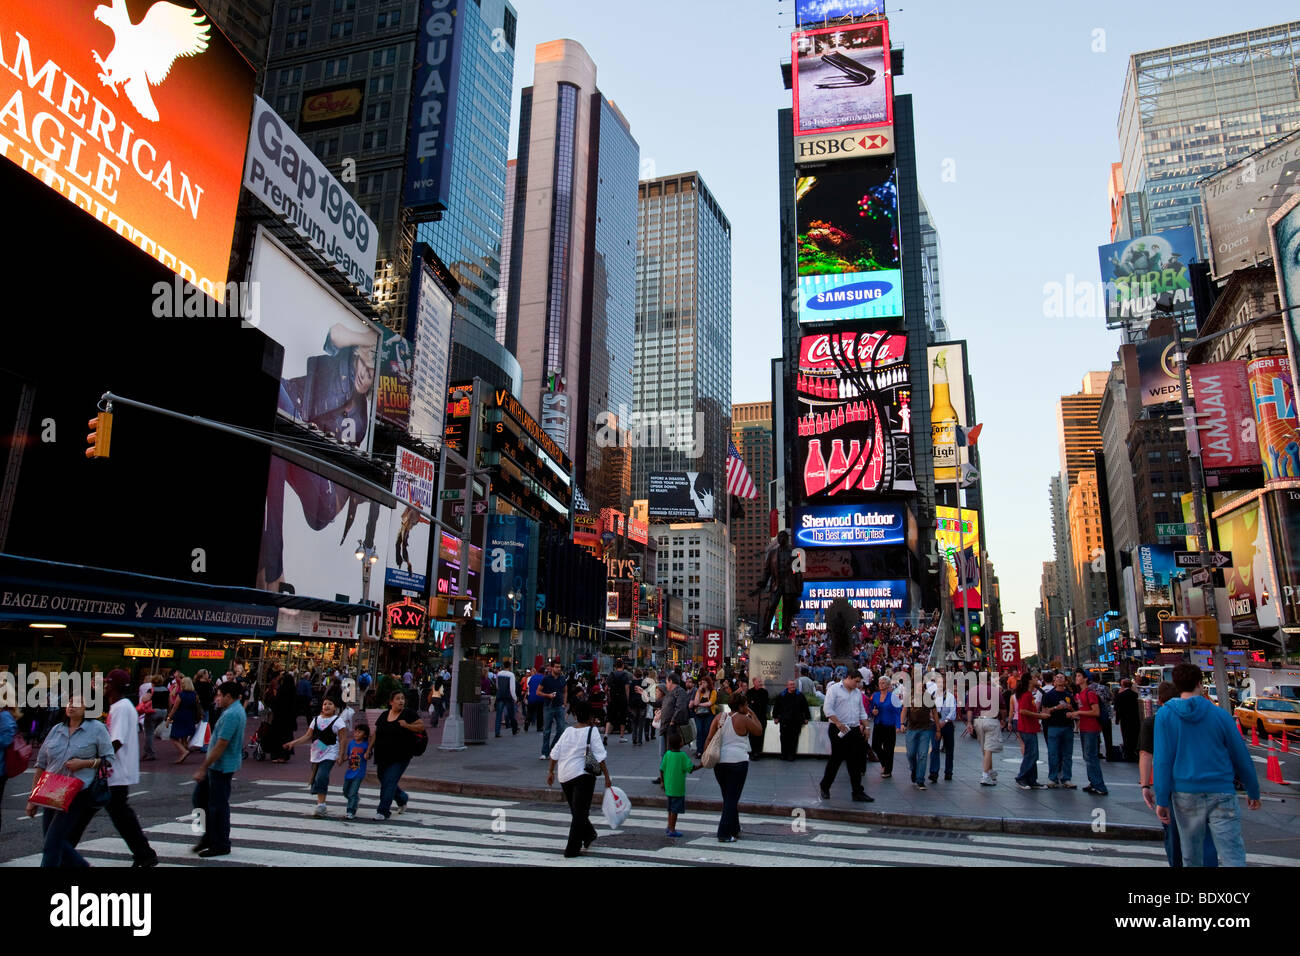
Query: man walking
[[1129, 714], [847, 714], [506, 698], [919, 717], [1197, 753], [674, 713], [984, 723], [552, 691], [1089, 716], [620, 701], [534, 703], [791, 714], [225, 754], [124, 772]]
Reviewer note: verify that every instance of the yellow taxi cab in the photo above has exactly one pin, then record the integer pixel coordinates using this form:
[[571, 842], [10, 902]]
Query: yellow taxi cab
[[1270, 715]]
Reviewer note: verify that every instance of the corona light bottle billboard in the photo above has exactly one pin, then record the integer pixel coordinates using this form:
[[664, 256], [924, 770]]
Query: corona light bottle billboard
[[943, 422]]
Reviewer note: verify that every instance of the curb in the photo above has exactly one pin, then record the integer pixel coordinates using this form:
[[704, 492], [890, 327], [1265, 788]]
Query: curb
[[1010, 825]]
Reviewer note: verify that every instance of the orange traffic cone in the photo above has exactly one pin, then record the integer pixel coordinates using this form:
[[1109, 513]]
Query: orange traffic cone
[[1241, 729], [1254, 737], [1285, 748], [1274, 765]]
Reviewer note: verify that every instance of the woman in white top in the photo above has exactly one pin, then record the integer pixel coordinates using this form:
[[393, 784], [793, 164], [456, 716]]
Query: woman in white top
[[324, 732], [569, 756], [733, 766]]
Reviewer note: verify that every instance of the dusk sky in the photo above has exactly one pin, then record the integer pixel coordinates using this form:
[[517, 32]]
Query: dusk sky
[[1016, 105]]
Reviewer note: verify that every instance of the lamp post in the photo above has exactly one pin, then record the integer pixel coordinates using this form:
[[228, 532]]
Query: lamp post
[[368, 557]]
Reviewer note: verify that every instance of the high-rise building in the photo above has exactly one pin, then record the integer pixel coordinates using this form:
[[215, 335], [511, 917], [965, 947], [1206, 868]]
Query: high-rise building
[[751, 431], [1192, 109], [1076, 425], [693, 566], [1050, 616], [683, 331], [359, 53], [1059, 495], [572, 254], [1088, 586], [247, 23], [932, 275]]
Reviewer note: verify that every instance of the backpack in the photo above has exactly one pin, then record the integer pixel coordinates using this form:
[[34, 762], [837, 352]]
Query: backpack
[[419, 742], [328, 736]]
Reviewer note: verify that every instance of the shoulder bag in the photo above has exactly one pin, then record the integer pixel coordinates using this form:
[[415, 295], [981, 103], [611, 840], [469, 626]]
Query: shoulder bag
[[712, 755], [98, 790], [590, 764]]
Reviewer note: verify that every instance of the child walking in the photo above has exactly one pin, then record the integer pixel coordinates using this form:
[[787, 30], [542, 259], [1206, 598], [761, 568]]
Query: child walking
[[323, 732], [674, 768], [356, 771]]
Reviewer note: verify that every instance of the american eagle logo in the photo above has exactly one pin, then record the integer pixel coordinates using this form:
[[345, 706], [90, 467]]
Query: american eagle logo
[[143, 53]]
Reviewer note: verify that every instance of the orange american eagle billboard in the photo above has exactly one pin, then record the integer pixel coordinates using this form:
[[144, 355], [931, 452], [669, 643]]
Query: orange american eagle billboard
[[138, 112]]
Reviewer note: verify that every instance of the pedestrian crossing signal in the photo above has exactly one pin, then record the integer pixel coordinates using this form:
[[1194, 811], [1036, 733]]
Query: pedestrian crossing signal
[[101, 434]]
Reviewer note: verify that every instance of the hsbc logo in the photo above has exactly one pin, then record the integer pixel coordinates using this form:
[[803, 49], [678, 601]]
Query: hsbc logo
[[843, 146]]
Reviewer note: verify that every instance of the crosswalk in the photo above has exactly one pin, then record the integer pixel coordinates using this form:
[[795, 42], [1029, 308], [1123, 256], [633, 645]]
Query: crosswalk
[[274, 826]]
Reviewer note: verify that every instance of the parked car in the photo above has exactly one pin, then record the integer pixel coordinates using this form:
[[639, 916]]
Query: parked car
[[1270, 715]]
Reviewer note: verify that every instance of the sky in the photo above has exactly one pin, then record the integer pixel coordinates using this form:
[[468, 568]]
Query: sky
[[1016, 105]]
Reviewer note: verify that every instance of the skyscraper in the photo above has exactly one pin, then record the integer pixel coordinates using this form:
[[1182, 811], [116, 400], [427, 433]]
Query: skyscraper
[[572, 254], [1191, 109], [1087, 565], [683, 330], [932, 275], [1076, 423], [751, 431]]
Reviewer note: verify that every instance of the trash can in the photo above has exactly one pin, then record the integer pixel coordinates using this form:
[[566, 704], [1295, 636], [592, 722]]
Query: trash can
[[476, 715]]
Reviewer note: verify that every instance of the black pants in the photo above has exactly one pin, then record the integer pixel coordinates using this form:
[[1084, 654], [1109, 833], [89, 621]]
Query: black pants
[[1107, 735], [1131, 730], [639, 724], [124, 821], [731, 781], [756, 742], [578, 793], [850, 750], [533, 715], [790, 740], [883, 739], [212, 795]]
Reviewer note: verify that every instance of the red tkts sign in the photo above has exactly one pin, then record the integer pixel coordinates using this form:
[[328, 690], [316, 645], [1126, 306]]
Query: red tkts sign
[[1008, 645], [712, 648]]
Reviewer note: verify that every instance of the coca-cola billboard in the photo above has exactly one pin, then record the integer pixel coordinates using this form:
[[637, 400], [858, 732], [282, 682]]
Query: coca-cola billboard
[[854, 396], [712, 641]]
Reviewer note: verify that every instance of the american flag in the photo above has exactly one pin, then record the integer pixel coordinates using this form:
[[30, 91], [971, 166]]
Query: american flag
[[738, 481]]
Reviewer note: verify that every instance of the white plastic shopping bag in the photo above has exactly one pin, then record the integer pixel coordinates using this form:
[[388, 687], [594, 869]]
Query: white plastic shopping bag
[[616, 807]]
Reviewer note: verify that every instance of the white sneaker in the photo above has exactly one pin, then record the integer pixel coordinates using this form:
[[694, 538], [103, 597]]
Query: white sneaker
[[541, 756], [400, 810], [379, 816], [987, 781], [320, 810], [352, 816], [622, 740]]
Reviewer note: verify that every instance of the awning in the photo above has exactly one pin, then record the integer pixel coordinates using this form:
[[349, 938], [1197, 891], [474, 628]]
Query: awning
[[32, 589]]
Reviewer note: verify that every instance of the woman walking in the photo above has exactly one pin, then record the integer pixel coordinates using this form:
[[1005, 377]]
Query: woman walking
[[733, 765], [886, 714], [704, 705], [74, 747], [396, 732], [184, 716], [578, 780]]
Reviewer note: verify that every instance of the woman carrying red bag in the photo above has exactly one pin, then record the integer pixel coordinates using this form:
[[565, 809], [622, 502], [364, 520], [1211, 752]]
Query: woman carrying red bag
[[77, 748]]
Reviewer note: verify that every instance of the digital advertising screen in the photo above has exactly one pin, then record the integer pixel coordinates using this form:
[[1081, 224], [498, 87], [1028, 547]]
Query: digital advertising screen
[[1229, 449], [815, 13], [843, 526], [681, 495], [842, 78], [1157, 373], [1156, 566], [1276, 427], [848, 245], [855, 421], [959, 533], [1136, 272], [877, 600], [1285, 226]]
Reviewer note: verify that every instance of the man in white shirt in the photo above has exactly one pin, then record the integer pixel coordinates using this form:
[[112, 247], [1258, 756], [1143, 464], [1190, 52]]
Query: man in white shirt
[[847, 713], [124, 772], [506, 696]]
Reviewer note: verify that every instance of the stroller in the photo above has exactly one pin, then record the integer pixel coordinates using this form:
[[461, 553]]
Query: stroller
[[260, 737]]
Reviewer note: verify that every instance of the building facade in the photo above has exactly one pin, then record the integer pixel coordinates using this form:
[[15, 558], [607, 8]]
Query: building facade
[[693, 566], [751, 431], [1189, 110], [1088, 587], [1076, 426], [932, 275]]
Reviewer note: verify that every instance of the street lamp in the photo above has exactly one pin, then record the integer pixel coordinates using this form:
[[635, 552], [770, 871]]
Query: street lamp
[[368, 557]]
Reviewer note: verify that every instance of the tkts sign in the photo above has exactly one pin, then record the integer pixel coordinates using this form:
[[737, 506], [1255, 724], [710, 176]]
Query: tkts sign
[[712, 648], [1008, 643], [137, 112]]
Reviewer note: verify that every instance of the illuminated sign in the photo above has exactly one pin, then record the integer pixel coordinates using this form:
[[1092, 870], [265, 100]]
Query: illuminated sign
[[432, 121], [1276, 425], [147, 652], [138, 116], [815, 12], [875, 599], [842, 78], [848, 526], [206, 654], [829, 146], [333, 106], [712, 640], [405, 620]]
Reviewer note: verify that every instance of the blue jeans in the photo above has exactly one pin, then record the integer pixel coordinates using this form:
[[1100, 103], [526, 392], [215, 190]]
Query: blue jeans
[[212, 795], [59, 827], [352, 790], [1060, 753], [1029, 762], [702, 722], [1174, 848], [321, 782], [945, 743], [918, 745], [1199, 815], [554, 717], [1091, 740], [731, 780], [389, 777], [506, 707]]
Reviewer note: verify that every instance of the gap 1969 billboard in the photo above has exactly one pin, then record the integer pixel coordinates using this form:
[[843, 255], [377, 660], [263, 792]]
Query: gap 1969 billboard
[[855, 418], [848, 245]]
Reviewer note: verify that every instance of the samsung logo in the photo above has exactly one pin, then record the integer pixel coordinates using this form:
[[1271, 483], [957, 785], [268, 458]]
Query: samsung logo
[[856, 293]]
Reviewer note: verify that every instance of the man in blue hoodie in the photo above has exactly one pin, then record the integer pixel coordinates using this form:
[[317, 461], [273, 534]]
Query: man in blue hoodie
[[1197, 754]]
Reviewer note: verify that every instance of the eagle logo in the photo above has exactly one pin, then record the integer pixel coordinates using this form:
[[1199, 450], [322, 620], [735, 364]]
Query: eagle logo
[[143, 53]]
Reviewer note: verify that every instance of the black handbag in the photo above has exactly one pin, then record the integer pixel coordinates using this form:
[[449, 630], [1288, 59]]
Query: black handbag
[[590, 764], [98, 789]]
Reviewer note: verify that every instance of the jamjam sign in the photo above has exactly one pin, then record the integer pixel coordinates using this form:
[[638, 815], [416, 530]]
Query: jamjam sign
[[855, 430]]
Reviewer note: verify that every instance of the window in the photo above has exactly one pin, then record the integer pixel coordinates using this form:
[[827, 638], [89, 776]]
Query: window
[[377, 111], [381, 84], [342, 6], [384, 57], [336, 67], [375, 140], [392, 18], [295, 41], [341, 30], [300, 14], [327, 148], [286, 103], [291, 77]]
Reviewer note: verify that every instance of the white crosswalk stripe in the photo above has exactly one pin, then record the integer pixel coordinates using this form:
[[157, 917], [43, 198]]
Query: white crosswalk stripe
[[276, 827]]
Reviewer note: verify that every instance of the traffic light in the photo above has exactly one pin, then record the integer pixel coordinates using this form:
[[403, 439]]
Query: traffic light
[[1177, 633], [101, 434]]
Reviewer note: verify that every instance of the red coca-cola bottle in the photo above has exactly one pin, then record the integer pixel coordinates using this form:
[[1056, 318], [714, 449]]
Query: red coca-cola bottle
[[857, 461], [875, 466], [814, 470], [837, 466]]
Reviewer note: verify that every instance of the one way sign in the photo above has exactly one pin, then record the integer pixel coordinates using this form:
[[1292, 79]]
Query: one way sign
[[1202, 559]]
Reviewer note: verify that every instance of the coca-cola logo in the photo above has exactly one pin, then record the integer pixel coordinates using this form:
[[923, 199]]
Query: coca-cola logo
[[838, 349]]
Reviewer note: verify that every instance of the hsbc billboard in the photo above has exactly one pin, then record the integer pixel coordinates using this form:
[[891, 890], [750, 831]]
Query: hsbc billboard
[[712, 642], [824, 147]]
